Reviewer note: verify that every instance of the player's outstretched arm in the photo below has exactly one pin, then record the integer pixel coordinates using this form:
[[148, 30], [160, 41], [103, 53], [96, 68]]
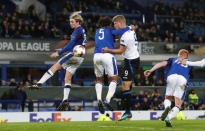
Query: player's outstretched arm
[[196, 63], [71, 43], [54, 55], [57, 50], [158, 65], [67, 46], [115, 51], [155, 67], [123, 30]]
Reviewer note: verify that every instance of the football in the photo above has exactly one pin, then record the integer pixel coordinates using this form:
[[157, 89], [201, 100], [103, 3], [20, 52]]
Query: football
[[79, 51]]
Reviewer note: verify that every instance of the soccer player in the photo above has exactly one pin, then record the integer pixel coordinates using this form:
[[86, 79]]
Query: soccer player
[[104, 37], [68, 62], [177, 78], [200, 63], [129, 50]]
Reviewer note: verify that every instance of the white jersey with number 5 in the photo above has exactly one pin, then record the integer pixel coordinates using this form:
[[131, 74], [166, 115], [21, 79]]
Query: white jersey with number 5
[[129, 40]]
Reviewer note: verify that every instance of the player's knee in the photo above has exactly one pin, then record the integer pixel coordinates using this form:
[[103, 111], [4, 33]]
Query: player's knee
[[100, 79], [114, 78], [178, 105], [55, 67], [67, 80], [169, 98], [178, 102]]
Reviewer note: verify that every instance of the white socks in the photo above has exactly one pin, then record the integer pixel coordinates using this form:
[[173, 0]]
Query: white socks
[[111, 91], [173, 113], [167, 103], [66, 91], [98, 88], [45, 77]]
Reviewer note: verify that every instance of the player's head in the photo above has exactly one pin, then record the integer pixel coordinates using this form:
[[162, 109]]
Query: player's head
[[105, 21], [183, 53], [119, 21], [75, 19]]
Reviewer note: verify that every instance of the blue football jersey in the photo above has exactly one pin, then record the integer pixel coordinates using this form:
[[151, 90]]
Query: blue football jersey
[[104, 37], [167, 68], [175, 68], [78, 37]]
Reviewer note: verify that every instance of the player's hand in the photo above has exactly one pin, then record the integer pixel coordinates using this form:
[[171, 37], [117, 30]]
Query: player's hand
[[54, 55], [57, 50], [147, 73], [133, 27], [105, 49]]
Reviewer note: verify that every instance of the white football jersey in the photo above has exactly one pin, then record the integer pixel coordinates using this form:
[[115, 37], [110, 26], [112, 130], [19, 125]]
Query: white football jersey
[[129, 40]]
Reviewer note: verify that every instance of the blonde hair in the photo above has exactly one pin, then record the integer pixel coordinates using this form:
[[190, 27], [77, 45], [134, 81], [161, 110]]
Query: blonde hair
[[77, 17], [119, 18], [183, 51]]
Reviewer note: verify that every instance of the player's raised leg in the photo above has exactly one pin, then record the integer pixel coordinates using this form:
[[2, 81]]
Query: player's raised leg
[[47, 75]]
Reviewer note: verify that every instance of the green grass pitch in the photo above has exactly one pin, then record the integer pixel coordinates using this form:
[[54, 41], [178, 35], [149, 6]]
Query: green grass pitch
[[151, 125]]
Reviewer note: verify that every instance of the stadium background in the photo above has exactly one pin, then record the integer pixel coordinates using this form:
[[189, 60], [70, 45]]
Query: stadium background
[[31, 29]]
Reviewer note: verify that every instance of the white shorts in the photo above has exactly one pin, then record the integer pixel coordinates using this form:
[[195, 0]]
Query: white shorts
[[70, 63], [107, 62], [176, 86]]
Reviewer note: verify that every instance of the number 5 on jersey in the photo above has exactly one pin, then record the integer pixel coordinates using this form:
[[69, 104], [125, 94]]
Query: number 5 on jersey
[[101, 31]]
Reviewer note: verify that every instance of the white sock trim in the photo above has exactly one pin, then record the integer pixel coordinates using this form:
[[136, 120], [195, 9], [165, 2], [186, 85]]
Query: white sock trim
[[50, 72]]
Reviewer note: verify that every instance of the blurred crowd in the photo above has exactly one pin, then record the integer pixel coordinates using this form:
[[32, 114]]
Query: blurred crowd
[[16, 93], [28, 81], [187, 12], [56, 25], [156, 79], [26, 25], [170, 30], [146, 100]]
